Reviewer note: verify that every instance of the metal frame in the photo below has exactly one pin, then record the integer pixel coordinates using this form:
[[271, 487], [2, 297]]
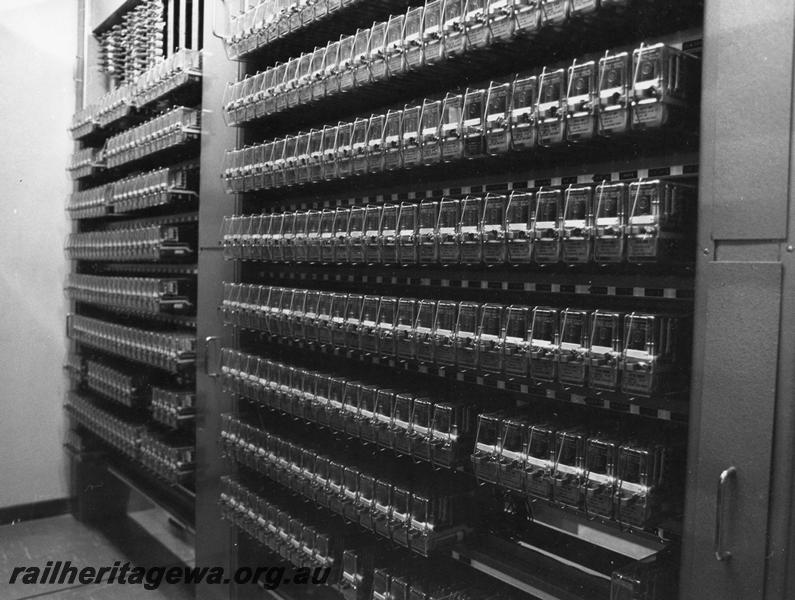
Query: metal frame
[[742, 413]]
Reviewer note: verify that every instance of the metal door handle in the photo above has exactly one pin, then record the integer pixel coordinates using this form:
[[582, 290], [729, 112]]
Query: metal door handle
[[209, 342], [723, 480]]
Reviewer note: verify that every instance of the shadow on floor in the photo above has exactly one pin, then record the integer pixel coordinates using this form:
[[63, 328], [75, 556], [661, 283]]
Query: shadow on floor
[[34, 543]]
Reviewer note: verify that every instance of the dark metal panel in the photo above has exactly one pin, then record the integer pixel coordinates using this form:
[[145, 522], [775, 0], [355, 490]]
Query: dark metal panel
[[747, 116], [734, 399], [780, 575], [781, 542], [212, 534], [746, 165]]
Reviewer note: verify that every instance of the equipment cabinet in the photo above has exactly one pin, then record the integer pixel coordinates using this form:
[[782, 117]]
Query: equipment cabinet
[[457, 283]]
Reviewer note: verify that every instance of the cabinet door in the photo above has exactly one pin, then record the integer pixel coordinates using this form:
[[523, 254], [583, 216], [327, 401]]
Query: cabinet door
[[733, 418], [740, 337]]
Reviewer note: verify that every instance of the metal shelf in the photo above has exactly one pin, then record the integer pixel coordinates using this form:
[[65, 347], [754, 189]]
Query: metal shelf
[[94, 134], [182, 88], [154, 493], [670, 407], [130, 350], [561, 166], [88, 171], [170, 200], [443, 538], [594, 284], [144, 268], [550, 46], [173, 318], [136, 400], [475, 177], [186, 137], [170, 219], [355, 14], [634, 544], [181, 368], [532, 571], [604, 533], [172, 155], [96, 212]]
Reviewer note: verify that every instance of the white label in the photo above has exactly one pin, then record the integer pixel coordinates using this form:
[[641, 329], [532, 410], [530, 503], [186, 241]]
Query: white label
[[523, 136], [414, 57], [637, 381], [646, 248], [451, 148], [379, 70], [649, 115], [501, 29], [391, 160], [583, 5], [581, 126], [346, 79], [555, 11], [643, 220], [497, 142], [479, 36], [552, 132], [411, 155], [546, 251], [528, 19], [575, 251], [454, 44], [575, 223], [395, 64]]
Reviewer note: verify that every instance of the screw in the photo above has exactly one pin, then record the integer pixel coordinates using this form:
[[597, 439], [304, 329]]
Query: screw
[[790, 248], [705, 251]]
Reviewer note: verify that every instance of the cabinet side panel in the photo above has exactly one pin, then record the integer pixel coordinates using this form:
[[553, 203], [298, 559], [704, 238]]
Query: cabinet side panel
[[753, 45]]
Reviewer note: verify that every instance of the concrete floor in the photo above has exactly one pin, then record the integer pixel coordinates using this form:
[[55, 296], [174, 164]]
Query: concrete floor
[[33, 543]]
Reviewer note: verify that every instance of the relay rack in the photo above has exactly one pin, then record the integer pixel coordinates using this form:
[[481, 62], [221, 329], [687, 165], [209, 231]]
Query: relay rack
[[484, 197], [465, 307], [133, 250]]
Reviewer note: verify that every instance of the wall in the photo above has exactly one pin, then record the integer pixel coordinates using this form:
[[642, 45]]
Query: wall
[[38, 41]]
